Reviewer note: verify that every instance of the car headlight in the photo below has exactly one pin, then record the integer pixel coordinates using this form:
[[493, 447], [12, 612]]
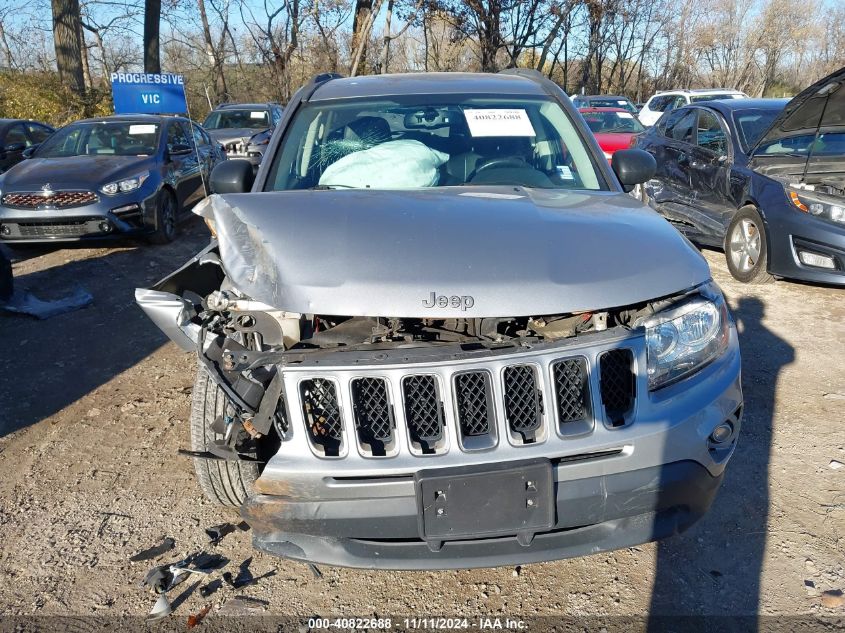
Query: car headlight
[[122, 186], [815, 203], [683, 339]]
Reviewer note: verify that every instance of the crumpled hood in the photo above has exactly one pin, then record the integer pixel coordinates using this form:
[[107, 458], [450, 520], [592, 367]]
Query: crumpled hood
[[227, 135], [820, 105], [73, 172], [449, 251]]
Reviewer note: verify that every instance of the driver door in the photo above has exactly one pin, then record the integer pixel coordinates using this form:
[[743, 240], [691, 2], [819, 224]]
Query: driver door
[[710, 166], [183, 168]]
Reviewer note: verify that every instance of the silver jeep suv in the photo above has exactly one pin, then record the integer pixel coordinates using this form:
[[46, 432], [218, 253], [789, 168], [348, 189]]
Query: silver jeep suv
[[434, 331]]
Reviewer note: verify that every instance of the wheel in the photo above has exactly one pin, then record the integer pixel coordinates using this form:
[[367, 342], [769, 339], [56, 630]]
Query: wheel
[[227, 483], [165, 218], [747, 248]]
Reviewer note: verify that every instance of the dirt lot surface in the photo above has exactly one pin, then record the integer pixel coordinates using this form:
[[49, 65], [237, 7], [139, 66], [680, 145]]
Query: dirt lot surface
[[94, 405]]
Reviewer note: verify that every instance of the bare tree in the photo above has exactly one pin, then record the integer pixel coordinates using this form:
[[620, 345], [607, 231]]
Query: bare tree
[[152, 26], [66, 32]]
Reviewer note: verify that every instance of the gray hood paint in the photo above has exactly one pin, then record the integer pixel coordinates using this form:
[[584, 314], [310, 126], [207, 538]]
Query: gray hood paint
[[516, 252]]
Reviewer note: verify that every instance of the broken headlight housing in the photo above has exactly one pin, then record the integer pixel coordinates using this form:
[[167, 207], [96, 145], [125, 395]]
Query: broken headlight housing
[[124, 185], [684, 338], [815, 203]]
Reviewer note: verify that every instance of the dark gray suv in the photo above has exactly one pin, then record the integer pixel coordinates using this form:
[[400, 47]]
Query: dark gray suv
[[234, 125], [436, 332]]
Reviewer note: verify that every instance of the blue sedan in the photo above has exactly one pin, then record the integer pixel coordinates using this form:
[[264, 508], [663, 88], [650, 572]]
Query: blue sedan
[[108, 177]]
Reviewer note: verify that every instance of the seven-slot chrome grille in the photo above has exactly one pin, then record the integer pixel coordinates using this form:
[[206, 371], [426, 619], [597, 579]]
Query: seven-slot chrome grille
[[529, 401]]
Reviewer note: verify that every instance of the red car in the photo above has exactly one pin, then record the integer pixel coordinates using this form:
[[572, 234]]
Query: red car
[[613, 127]]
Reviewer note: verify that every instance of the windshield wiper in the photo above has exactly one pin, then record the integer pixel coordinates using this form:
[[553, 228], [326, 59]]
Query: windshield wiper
[[330, 187]]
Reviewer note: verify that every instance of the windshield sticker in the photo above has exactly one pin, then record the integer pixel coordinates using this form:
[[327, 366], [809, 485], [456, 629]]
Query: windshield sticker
[[625, 115], [142, 129], [494, 196], [565, 173], [256, 115], [499, 122], [620, 102]]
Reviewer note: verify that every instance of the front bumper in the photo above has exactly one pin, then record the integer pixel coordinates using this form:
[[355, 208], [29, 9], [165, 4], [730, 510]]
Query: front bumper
[[790, 232], [614, 486], [594, 514], [110, 217]]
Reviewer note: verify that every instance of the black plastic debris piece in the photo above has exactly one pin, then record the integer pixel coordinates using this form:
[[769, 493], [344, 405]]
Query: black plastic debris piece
[[163, 578], [155, 551], [217, 532], [244, 576], [315, 571], [210, 588]]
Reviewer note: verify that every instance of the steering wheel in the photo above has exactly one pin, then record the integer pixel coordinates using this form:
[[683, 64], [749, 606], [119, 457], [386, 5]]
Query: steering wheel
[[513, 162]]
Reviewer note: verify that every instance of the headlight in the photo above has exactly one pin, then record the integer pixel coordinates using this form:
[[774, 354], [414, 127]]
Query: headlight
[[814, 203], [683, 339], [122, 186]]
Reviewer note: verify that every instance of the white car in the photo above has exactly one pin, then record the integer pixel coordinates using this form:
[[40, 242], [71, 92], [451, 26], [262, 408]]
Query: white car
[[673, 99]]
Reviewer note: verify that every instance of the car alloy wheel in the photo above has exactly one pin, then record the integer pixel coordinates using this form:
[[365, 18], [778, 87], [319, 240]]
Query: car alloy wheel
[[165, 218], [744, 245], [747, 247]]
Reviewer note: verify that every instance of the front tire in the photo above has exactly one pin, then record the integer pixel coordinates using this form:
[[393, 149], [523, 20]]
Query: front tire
[[747, 247], [166, 209], [226, 483]]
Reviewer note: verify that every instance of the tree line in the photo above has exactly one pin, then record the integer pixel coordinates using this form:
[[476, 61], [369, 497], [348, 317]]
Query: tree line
[[265, 49]]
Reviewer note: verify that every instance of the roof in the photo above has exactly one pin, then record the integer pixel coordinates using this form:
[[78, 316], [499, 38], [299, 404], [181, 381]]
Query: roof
[[734, 105], [591, 109], [427, 83], [600, 97], [699, 91], [131, 117], [246, 106]]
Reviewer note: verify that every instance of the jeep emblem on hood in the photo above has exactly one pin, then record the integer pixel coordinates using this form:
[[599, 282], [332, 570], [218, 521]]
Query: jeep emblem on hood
[[464, 302]]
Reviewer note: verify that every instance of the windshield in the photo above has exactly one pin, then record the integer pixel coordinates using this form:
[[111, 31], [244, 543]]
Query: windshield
[[611, 102], [120, 138], [752, 124], [428, 141], [827, 144], [612, 122], [240, 119], [713, 97]]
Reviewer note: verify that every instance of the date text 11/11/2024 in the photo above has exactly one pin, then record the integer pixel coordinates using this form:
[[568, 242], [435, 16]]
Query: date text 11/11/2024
[[437, 623]]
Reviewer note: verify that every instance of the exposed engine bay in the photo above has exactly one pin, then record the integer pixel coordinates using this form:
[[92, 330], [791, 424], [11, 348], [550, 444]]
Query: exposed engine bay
[[243, 343]]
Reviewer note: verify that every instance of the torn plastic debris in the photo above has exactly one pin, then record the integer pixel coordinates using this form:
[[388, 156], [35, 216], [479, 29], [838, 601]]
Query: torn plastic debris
[[163, 578], [161, 609], [217, 532], [244, 576], [24, 302]]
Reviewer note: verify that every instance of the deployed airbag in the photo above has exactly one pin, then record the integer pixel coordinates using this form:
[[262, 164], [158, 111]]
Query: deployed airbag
[[392, 165]]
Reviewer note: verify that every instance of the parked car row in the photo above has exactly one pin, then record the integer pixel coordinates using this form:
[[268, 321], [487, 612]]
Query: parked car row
[[764, 179], [118, 176]]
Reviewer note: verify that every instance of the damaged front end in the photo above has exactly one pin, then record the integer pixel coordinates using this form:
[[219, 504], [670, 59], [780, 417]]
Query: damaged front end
[[343, 416]]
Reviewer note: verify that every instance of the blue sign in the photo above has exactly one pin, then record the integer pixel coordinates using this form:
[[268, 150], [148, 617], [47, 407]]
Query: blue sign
[[148, 93]]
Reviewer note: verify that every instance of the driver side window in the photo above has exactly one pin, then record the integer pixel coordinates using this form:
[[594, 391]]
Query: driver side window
[[176, 136], [711, 136], [681, 127]]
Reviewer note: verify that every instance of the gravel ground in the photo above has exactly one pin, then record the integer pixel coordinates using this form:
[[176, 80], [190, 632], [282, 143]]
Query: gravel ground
[[94, 405]]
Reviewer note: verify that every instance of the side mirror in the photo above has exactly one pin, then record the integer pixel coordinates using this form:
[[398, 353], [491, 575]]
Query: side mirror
[[181, 150], [29, 151], [633, 167], [15, 147], [232, 176]]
